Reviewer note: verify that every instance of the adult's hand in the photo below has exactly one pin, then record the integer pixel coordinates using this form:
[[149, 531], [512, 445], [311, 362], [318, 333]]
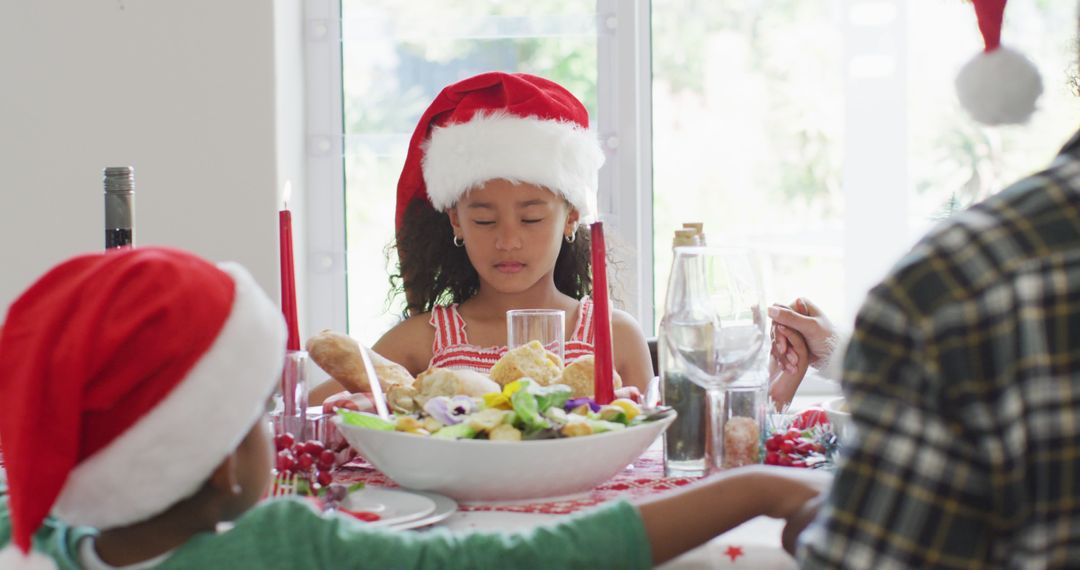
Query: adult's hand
[[785, 377], [808, 320], [798, 521]]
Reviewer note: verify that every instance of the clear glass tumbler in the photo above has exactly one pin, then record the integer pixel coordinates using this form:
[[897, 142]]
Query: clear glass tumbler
[[545, 325]]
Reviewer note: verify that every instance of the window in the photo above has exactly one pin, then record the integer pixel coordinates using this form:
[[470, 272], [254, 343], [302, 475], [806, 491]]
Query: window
[[826, 132], [748, 136], [396, 56]]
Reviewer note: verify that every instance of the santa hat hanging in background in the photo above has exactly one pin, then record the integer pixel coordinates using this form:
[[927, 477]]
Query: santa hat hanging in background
[[502, 125], [129, 376], [1000, 85]]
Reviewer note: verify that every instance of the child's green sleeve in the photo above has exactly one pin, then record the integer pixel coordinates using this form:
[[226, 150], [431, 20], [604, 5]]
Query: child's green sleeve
[[289, 534]]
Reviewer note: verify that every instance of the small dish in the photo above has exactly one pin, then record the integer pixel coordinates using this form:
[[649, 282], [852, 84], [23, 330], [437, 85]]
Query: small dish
[[394, 506], [444, 507]]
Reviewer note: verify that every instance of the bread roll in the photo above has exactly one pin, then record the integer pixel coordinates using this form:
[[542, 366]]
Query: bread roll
[[527, 360], [579, 376], [402, 399], [339, 356], [452, 382]]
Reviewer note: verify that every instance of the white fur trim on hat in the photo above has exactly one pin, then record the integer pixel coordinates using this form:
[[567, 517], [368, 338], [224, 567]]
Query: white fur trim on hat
[[172, 450], [558, 155], [999, 87], [11, 558]]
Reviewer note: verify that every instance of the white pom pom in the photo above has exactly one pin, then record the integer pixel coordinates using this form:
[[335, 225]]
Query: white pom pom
[[11, 558], [999, 87]]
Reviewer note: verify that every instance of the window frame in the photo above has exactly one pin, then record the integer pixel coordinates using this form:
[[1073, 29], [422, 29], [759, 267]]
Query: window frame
[[326, 292], [624, 127]]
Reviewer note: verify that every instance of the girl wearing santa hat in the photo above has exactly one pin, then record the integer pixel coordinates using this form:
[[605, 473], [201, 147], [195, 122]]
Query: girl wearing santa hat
[[134, 388], [499, 180]]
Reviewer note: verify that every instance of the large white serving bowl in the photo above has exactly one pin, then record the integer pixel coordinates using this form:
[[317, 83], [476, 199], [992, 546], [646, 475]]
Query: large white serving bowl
[[482, 470]]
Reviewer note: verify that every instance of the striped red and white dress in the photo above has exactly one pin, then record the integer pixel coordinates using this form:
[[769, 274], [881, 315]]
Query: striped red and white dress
[[452, 349]]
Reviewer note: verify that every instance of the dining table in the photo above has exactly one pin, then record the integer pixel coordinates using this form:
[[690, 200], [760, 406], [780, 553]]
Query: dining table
[[754, 544]]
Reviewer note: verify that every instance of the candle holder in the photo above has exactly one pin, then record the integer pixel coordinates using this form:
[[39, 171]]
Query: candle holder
[[321, 428], [742, 410], [291, 397]]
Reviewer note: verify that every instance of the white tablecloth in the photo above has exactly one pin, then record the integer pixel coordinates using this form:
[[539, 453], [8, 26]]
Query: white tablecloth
[[755, 544]]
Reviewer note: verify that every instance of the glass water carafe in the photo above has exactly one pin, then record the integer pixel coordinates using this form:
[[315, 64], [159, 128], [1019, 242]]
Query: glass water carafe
[[712, 332]]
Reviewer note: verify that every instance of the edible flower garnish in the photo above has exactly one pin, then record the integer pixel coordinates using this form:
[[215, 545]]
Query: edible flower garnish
[[574, 403], [449, 411], [501, 400], [629, 407]]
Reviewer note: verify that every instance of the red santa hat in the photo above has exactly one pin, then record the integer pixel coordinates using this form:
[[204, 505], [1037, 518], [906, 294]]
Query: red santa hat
[[1000, 85], [128, 377], [502, 125]]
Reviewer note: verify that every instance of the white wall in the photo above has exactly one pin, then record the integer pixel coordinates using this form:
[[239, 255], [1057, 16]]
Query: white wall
[[183, 90]]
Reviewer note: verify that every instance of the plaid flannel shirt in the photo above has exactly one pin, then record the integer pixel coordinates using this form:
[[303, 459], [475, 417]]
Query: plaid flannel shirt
[[963, 377]]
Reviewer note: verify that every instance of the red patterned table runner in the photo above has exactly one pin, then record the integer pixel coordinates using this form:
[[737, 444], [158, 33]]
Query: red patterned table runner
[[645, 478]]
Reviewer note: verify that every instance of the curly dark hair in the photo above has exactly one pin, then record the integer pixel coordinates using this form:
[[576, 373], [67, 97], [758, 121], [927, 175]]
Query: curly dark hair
[[433, 271]]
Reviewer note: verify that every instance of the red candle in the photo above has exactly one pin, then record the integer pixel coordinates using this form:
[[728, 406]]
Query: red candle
[[605, 359], [288, 278]]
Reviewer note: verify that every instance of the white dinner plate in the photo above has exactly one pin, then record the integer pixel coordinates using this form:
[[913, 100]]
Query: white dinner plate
[[394, 506], [444, 507]]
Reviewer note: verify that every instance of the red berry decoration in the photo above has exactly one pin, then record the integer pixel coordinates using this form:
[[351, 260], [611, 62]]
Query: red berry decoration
[[326, 460], [810, 418], [323, 478], [312, 446], [806, 442], [283, 441], [306, 461], [285, 461]]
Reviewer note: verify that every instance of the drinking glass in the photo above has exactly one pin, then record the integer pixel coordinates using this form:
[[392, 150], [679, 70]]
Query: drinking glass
[[291, 396], [715, 330], [545, 325]]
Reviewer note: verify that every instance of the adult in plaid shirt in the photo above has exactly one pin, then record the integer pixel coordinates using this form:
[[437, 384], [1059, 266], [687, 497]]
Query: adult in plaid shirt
[[963, 377]]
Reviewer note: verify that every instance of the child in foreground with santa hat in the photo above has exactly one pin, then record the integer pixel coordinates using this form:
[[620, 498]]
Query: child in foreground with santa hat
[[134, 390]]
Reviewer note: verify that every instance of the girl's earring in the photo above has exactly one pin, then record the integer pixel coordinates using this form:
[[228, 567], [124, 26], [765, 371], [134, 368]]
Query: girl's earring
[[570, 238], [458, 242]]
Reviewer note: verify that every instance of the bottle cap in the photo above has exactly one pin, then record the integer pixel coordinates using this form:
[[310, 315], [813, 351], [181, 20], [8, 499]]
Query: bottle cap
[[685, 237], [119, 180]]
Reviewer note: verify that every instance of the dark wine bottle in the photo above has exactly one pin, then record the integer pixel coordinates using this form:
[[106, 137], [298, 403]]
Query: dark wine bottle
[[119, 207]]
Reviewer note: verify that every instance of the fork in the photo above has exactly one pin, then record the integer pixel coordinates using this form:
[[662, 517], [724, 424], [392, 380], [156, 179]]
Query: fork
[[378, 397], [284, 485]]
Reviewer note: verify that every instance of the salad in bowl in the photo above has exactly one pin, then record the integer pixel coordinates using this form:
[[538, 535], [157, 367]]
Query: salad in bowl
[[526, 441], [524, 410]]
